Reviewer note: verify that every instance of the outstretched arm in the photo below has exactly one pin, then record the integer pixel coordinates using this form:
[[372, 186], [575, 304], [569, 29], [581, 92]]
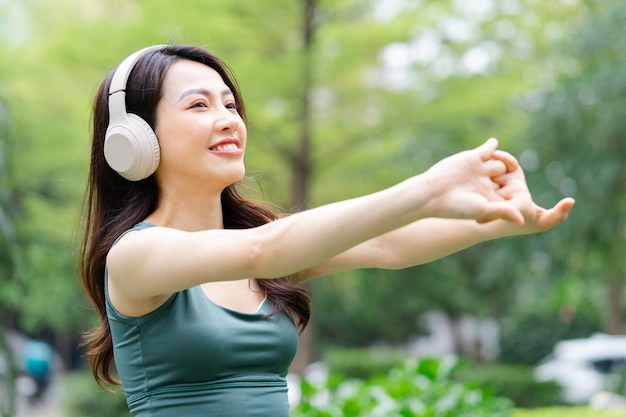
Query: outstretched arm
[[434, 238], [159, 261]]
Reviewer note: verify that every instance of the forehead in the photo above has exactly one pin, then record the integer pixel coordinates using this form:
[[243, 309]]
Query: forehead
[[185, 74]]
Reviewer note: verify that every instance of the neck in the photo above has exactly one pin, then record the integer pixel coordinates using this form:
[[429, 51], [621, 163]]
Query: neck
[[188, 211]]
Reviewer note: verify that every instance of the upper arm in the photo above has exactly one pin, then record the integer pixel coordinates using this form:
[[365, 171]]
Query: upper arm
[[161, 261]]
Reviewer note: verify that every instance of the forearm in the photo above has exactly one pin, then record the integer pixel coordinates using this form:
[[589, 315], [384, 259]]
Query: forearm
[[430, 239], [314, 236], [344, 235]]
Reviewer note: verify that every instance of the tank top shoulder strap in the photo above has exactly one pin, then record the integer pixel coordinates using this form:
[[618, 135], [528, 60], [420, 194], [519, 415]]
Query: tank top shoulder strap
[[138, 226]]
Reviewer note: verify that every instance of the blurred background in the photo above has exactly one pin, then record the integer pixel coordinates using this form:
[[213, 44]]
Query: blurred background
[[345, 98]]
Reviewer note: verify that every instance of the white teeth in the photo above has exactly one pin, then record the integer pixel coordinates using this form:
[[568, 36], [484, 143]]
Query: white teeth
[[226, 147]]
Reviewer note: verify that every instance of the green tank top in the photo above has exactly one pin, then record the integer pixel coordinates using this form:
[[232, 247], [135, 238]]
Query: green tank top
[[194, 358]]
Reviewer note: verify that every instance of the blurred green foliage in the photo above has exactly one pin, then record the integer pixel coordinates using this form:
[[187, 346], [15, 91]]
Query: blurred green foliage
[[378, 118], [567, 412], [529, 338], [515, 382], [9, 209], [82, 397], [362, 363], [575, 145], [416, 388]]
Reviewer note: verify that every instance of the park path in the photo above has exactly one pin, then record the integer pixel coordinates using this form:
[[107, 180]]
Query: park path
[[48, 406]]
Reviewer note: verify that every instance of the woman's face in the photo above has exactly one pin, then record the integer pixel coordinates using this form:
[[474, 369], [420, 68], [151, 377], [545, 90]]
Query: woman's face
[[200, 132]]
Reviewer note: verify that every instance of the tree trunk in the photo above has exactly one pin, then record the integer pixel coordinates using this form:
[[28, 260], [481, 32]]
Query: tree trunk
[[301, 165], [8, 376], [615, 315]]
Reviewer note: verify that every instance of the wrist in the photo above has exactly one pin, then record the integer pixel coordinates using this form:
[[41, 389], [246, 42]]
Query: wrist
[[498, 229], [420, 192], [423, 191]]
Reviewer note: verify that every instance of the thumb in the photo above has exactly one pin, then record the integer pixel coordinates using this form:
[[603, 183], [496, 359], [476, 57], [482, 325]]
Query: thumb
[[557, 214]]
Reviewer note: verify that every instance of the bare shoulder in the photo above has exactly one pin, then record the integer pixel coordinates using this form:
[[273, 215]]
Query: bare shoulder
[[127, 280], [139, 252], [134, 247], [137, 239]]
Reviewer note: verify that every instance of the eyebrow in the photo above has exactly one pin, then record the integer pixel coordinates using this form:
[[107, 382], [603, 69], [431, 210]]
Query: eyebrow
[[204, 92]]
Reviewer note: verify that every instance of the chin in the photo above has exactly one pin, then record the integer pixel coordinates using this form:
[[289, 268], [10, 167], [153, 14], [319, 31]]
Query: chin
[[233, 177]]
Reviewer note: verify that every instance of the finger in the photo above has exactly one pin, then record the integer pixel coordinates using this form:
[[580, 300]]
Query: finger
[[495, 168], [509, 160], [515, 178], [487, 149], [501, 210], [504, 193], [512, 179], [501, 180]]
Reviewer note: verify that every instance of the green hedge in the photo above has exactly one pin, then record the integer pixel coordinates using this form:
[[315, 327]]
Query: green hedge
[[515, 382], [362, 363], [416, 388], [567, 412], [82, 397]]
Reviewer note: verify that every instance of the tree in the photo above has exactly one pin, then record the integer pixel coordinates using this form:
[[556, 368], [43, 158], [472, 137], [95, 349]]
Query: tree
[[451, 74], [8, 211], [364, 117], [576, 145], [50, 178]]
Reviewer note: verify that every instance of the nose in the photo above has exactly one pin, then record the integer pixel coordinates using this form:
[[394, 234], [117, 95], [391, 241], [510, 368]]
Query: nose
[[228, 119]]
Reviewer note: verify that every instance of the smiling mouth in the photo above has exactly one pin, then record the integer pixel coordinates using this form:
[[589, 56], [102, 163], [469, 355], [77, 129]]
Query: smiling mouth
[[225, 147]]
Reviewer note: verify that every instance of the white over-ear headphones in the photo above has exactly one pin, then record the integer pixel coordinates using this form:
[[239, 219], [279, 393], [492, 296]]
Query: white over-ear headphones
[[130, 145]]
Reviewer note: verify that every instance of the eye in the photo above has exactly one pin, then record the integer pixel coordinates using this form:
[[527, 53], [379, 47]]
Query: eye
[[232, 106], [199, 104]]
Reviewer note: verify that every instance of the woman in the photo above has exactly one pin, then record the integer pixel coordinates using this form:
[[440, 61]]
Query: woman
[[197, 288]]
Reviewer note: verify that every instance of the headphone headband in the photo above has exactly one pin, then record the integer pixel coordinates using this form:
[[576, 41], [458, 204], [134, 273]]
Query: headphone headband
[[120, 78], [117, 89]]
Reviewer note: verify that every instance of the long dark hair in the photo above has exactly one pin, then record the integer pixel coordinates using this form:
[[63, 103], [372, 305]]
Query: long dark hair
[[113, 204]]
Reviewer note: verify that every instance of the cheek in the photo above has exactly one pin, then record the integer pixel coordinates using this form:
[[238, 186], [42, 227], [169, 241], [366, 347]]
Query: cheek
[[243, 134], [181, 135]]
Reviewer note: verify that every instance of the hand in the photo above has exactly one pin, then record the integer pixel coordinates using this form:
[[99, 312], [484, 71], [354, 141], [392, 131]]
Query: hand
[[513, 188], [463, 186]]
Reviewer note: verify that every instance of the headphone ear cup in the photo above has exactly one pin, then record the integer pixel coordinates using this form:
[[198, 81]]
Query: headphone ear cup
[[131, 148]]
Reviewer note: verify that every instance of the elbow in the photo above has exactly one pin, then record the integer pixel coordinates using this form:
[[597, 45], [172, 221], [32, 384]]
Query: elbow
[[256, 257], [382, 256], [264, 258], [391, 264], [394, 267]]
